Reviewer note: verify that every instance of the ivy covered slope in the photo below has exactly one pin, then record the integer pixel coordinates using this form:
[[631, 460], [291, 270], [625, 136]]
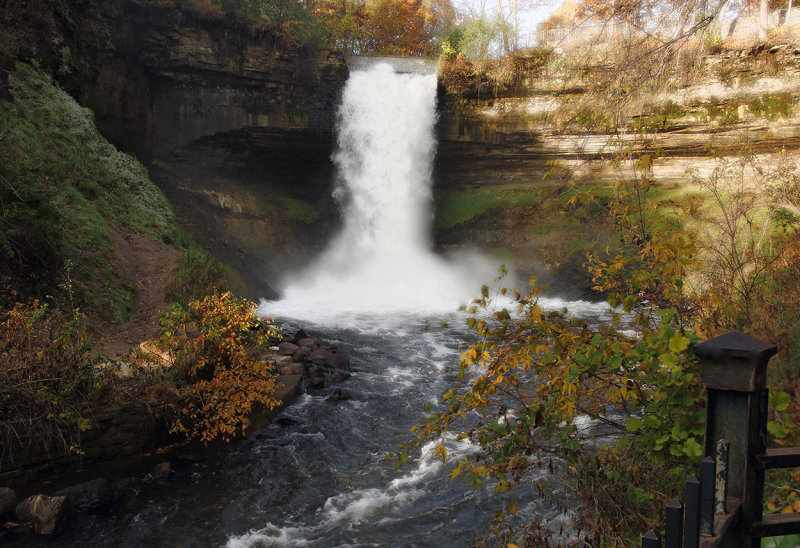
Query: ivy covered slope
[[64, 191]]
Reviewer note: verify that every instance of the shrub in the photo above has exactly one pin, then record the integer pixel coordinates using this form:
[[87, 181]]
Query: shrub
[[50, 384], [196, 275], [216, 360]]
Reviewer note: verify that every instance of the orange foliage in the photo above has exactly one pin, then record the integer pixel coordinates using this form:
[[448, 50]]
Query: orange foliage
[[218, 352], [389, 27]]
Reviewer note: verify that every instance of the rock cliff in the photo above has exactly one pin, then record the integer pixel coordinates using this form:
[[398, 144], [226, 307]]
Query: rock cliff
[[235, 121], [505, 165]]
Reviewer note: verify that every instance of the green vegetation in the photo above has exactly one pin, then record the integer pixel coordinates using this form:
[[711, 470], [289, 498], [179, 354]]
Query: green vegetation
[[50, 385], [196, 275], [66, 196], [61, 188], [456, 207], [772, 106]]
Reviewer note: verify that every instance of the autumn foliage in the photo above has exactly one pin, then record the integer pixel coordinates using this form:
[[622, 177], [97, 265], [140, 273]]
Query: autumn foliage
[[386, 27], [216, 353], [50, 385]]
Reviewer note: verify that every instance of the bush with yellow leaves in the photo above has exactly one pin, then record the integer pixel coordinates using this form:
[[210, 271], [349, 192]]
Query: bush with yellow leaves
[[221, 376]]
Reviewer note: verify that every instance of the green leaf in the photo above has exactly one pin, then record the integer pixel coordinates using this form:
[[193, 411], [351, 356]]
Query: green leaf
[[634, 424], [777, 429], [668, 360], [692, 449], [780, 401], [651, 421], [402, 458], [678, 343]]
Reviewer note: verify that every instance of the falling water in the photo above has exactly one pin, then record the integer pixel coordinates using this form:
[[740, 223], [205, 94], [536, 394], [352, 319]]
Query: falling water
[[318, 475], [382, 258]]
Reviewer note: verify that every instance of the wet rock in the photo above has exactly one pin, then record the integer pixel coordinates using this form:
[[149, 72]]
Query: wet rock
[[161, 470], [301, 354], [8, 500], [317, 355], [316, 382], [338, 361], [45, 513], [337, 375], [282, 361], [340, 394], [91, 495], [300, 335], [315, 372], [308, 343], [292, 369], [287, 348]]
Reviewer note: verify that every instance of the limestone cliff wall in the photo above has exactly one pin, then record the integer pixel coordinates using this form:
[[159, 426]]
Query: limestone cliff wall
[[159, 78], [516, 138], [518, 155]]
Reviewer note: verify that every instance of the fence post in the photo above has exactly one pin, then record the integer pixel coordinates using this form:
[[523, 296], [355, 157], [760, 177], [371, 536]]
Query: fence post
[[733, 367]]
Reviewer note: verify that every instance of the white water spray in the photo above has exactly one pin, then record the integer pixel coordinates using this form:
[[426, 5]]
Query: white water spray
[[382, 260]]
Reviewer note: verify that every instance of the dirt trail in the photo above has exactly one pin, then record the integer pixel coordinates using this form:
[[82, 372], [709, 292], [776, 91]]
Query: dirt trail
[[150, 265]]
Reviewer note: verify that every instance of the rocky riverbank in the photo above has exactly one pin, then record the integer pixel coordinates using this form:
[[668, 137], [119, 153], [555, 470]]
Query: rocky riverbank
[[52, 491]]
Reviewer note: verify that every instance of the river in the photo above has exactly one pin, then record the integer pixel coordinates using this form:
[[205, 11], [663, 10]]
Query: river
[[319, 474]]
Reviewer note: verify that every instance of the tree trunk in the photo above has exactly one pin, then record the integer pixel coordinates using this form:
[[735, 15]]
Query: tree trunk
[[788, 13], [762, 20], [503, 26], [514, 15], [718, 18]]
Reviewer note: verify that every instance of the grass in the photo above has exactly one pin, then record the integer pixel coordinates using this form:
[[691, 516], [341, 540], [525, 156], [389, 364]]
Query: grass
[[457, 207], [62, 185]]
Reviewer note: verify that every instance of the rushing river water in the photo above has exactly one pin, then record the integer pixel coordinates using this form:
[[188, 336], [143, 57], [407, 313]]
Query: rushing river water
[[319, 476]]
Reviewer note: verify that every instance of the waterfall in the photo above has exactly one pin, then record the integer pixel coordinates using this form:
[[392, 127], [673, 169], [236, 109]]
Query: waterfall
[[382, 258]]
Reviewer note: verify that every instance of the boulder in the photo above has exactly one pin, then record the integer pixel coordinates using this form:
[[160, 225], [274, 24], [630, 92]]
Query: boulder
[[317, 355], [281, 361], [315, 372], [338, 361], [287, 348], [91, 495], [340, 394], [292, 369], [300, 335], [316, 382], [8, 500], [337, 375], [161, 470], [308, 343], [301, 354], [45, 513]]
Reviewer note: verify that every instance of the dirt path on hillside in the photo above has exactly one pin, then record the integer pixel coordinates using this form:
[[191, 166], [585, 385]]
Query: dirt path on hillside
[[150, 265]]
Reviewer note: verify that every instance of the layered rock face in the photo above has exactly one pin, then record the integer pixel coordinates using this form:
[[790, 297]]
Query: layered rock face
[[236, 123], [519, 156], [159, 78], [240, 129]]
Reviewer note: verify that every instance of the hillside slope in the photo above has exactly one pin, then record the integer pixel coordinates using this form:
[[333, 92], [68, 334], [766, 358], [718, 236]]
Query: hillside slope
[[69, 201]]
